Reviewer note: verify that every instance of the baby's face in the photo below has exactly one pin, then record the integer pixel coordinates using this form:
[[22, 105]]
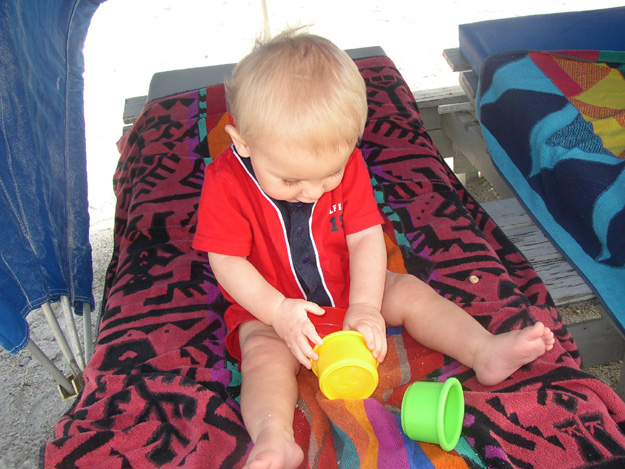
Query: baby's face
[[298, 175]]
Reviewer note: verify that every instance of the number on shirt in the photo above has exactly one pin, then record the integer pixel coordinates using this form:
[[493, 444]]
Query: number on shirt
[[335, 228]]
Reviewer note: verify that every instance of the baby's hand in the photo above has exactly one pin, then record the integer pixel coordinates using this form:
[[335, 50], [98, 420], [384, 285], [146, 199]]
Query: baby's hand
[[292, 324], [369, 322]]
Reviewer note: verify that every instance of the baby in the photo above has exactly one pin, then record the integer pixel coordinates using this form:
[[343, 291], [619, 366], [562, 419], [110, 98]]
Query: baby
[[290, 224]]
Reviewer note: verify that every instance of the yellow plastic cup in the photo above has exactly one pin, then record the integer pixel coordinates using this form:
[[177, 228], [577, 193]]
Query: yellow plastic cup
[[346, 368], [433, 412]]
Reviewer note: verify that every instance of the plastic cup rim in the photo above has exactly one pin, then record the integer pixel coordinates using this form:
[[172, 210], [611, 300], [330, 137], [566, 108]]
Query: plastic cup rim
[[447, 387], [447, 445]]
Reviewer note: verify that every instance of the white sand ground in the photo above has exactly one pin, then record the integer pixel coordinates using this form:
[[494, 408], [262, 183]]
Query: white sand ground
[[129, 41]]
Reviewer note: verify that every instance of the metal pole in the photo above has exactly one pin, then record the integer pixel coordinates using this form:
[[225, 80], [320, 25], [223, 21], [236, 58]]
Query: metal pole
[[50, 367], [60, 338], [86, 322], [73, 333]]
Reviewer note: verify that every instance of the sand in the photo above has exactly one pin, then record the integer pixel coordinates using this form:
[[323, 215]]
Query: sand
[[129, 41]]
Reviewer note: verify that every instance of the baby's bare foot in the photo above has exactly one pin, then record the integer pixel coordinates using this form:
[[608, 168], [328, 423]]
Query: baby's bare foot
[[274, 450], [505, 353]]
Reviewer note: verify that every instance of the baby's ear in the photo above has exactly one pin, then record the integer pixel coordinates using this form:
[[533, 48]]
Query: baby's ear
[[238, 140]]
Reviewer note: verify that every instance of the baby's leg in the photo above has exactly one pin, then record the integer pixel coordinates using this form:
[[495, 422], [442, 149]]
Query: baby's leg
[[268, 397], [443, 326]]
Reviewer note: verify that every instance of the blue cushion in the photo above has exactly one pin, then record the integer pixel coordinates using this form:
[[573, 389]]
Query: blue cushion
[[580, 30]]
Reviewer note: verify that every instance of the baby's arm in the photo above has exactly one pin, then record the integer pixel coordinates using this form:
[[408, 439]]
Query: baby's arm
[[251, 291], [367, 266]]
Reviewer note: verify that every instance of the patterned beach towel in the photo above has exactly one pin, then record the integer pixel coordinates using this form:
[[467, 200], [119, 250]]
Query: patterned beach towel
[[161, 391], [554, 124]]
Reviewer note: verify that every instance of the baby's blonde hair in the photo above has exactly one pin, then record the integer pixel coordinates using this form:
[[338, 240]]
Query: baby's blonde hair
[[300, 88]]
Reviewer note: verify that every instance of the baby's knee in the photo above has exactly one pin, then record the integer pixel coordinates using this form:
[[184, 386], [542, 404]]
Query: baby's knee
[[262, 348], [406, 295], [260, 342], [406, 286]]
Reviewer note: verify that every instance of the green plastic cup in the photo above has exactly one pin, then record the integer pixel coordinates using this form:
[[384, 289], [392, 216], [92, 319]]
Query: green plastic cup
[[433, 412]]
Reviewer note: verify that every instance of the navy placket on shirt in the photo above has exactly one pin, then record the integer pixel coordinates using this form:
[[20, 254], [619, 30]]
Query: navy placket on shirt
[[296, 217]]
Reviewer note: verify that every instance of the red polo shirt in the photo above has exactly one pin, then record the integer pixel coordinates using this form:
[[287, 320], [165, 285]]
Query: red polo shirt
[[237, 218]]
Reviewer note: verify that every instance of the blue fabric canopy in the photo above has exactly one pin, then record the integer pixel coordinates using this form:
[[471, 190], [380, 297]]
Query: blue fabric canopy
[[44, 251]]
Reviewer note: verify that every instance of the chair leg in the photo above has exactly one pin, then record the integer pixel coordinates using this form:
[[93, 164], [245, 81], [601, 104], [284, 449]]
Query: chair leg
[[60, 338], [50, 367], [73, 332], [86, 321]]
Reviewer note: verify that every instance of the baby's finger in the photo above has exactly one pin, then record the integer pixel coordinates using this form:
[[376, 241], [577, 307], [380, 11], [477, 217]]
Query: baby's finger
[[376, 342], [311, 333], [377, 348], [314, 308], [301, 357], [369, 337], [307, 349], [315, 338], [383, 350]]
